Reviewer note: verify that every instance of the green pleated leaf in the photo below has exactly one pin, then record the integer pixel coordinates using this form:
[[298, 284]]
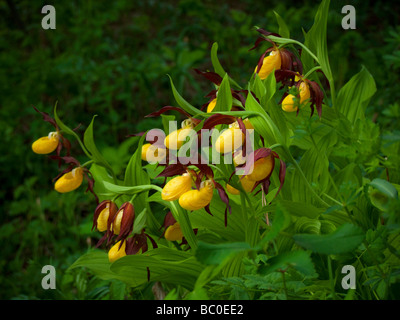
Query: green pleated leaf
[[355, 95], [218, 67], [88, 140], [162, 264], [215, 61], [61, 124], [224, 98], [344, 239], [299, 260], [385, 187], [262, 122], [180, 215], [208, 253], [283, 28], [136, 177], [117, 189], [315, 40], [97, 262], [280, 221], [183, 103]]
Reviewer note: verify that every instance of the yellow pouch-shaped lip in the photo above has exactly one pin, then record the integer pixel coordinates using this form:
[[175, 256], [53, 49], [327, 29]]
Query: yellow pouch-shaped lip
[[116, 252], [262, 168], [176, 187], [46, 145], [197, 199], [174, 232], [69, 181]]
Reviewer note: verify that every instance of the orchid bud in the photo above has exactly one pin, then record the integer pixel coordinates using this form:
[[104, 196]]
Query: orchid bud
[[104, 214], [212, 105], [122, 223], [69, 181], [47, 144]]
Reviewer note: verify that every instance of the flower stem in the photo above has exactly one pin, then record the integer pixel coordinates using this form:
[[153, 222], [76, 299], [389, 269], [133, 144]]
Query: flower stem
[[311, 71]]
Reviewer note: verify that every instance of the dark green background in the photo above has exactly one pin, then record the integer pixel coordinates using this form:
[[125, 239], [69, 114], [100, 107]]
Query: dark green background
[[111, 58]]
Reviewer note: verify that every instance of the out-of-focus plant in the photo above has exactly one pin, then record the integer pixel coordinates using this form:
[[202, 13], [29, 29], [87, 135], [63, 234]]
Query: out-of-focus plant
[[322, 189]]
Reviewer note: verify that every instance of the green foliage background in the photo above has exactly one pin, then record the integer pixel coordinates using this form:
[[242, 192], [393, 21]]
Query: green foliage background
[[112, 59]]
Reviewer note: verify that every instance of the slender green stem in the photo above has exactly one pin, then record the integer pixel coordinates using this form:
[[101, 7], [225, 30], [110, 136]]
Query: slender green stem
[[87, 163], [302, 175], [284, 284], [311, 71], [331, 280], [133, 198], [332, 199]]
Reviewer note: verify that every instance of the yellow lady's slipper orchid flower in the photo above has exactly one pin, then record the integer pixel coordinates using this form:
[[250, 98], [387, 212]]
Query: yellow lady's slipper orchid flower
[[116, 252], [176, 138], [152, 153], [46, 145], [174, 232], [212, 105], [270, 63], [262, 168], [230, 139], [102, 219], [288, 104], [123, 219], [246, 184], [69, 181], [176, 187], [197, 199]]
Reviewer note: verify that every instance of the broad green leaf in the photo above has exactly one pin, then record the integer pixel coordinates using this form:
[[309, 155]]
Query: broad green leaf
[[385, 187], [161, 264], [257, 86], [307, 225], [280, 221], [344, 239], [140, 222], [136, 176], [297, 209], [180, 215], [97, 262], [283, 28], [183, 103], [61, 124], [117, 189], [88, 140], [215, 61], [355, 95], [262, 122], [165, 121], [270, 87], [299, 260], [224, 97], [316, 41], [208, 253], [234, 231], [380, 193], [218, 67], [101, 177]]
